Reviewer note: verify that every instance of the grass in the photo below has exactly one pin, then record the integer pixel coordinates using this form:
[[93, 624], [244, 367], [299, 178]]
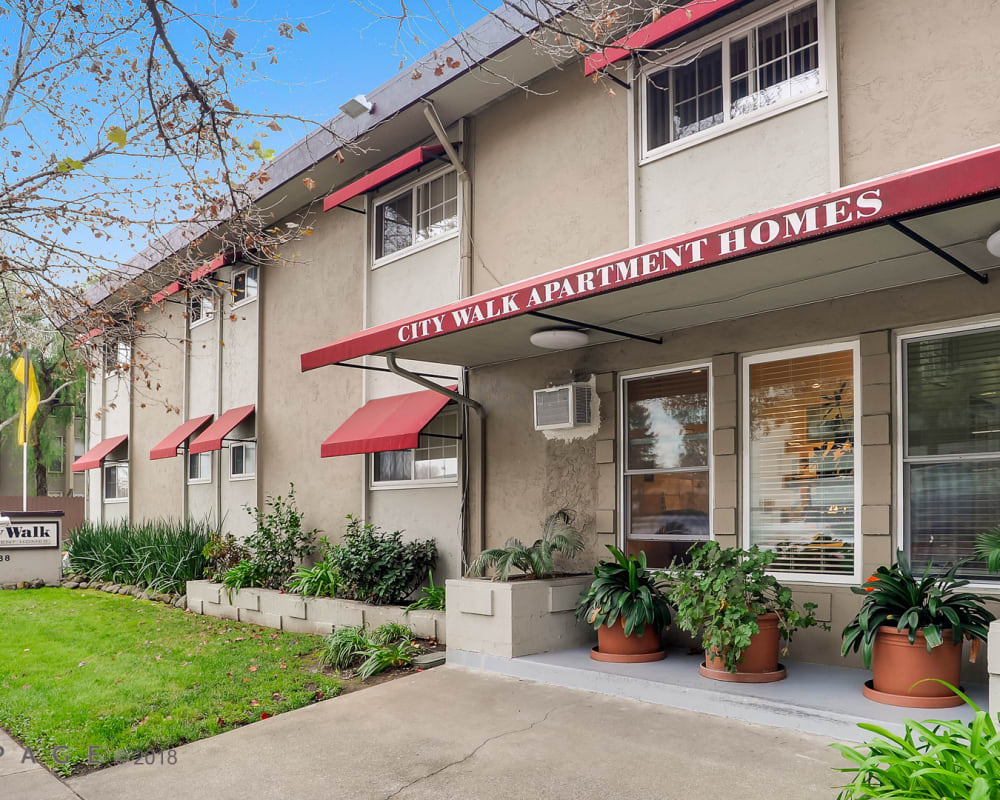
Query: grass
[[86, 669]]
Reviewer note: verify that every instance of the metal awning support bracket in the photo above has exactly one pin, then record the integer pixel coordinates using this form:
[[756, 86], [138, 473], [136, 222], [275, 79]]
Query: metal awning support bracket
[[928, 245], [590, 326]]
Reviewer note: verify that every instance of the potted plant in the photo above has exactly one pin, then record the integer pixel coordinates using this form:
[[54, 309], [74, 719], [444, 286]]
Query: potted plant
[[910, 633], [627, 607], [742, 612]]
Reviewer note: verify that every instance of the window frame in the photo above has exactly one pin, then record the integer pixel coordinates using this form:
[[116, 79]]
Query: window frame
[[204, 479], [122, 357], [411, 187], [421, 483], [243, 476], [247, 297], [899, 459], [204, 317], [104, 481], [762, 357], [62, 458], [622, 449], [691, 49]]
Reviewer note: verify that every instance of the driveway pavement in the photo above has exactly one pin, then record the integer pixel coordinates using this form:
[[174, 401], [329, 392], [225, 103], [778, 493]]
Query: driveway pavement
[[457, 733]]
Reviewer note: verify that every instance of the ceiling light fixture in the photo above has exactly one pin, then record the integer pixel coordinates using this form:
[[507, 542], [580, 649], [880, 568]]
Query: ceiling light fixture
[[357, 106], [559, 338], [993, 244]]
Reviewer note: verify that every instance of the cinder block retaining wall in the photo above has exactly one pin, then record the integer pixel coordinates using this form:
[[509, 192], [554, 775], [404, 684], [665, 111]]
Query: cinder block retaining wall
[[291, 612], [993, 664]]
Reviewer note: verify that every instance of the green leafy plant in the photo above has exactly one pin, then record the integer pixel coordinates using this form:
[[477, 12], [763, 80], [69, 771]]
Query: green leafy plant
[[389, 645], [241, 576], [378, 567], [279, 542], [624, 588], [431, 597], [223, 551], [932, 759], [536, 560], [929, 604], [719, 593], [988, 548], [391, 632], [319, 580], [345, 646], [159, 555], [382, 657]]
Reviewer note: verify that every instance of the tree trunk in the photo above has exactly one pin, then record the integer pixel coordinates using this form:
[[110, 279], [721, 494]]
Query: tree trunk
[[41, 474]]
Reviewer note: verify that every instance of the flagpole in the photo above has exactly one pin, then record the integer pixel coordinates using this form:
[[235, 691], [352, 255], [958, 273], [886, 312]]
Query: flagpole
[[24, 416]]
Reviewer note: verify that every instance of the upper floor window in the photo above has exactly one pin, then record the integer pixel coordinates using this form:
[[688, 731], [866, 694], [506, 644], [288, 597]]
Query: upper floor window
[[418, 214], [200, 309], [745, 72], [245, 286], [117, 357], [435, 460]]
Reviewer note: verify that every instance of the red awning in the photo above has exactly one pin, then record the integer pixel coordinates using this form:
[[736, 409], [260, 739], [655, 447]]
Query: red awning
[[166, 292], [95, 456], [389, 423], [665, 27], [216, 263], [584, 291], [211, 438], [382, 175], [168, 447]]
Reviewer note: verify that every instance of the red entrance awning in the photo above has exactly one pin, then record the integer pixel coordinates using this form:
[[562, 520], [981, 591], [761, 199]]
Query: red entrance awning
[[169, 446], [757, 255], [211, 438], [95, 456], [382, 175], [389, 423]]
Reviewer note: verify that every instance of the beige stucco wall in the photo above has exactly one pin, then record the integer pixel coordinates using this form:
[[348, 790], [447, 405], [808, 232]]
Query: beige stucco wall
[[918, 82], [550, 178]]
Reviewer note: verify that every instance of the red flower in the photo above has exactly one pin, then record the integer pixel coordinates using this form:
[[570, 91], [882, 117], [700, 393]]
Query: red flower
[[872, 579]]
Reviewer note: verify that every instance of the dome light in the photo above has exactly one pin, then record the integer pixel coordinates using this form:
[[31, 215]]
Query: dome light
[[559, 338]]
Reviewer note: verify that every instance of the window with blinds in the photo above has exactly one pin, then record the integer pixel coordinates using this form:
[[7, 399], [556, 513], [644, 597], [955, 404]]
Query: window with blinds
[[800, 419], [724, 78], [951, 447], [666, 469]]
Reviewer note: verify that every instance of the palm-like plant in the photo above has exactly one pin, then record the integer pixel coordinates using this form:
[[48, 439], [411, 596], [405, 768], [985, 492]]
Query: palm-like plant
[[988, 548], [537, 560], [625, 589]]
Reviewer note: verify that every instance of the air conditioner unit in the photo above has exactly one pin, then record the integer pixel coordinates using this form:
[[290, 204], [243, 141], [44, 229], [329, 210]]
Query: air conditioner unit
[[562, 406]]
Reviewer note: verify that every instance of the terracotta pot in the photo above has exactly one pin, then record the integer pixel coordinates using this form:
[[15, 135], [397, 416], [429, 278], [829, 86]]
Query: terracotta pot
[[759, 663], [614, 645], [898, 666]]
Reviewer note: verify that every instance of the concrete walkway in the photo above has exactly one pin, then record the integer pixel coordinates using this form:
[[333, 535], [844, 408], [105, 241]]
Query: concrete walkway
[[458, 733], [21, 779]]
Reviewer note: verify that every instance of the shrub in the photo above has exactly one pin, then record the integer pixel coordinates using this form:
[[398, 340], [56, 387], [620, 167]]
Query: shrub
[[931, 759], [223, 552], [159, 555], [625, 588], [279, 543], [389, 645], [320, 580], [241, 576], [536, 561], [431, 597], [379, 567]]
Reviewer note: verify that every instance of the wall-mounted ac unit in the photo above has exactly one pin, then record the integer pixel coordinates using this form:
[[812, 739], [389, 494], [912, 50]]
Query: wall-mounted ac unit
[[562, 406]]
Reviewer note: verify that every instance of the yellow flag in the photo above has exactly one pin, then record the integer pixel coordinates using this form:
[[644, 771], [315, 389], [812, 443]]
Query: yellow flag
[[31, 406]]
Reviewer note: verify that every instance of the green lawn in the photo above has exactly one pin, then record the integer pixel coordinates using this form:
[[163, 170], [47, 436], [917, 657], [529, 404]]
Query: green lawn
[[87, 669]]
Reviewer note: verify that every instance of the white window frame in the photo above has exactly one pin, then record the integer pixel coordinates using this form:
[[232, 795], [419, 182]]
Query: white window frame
[[623, 500], [206, 316], [62, 458], [854, 345], [411, 187], [243, 476], [931, 331], [247, 297], [692, 49], [201, 457], [420, 483], [123, 356], [104, 482]]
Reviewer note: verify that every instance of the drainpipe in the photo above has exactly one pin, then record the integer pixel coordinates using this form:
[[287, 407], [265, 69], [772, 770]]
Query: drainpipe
[[464, 206], [467, 402]]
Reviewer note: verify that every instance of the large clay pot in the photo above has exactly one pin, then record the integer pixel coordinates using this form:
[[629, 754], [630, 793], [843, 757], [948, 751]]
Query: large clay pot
[[759, 663], [898, 666], [614, 645]]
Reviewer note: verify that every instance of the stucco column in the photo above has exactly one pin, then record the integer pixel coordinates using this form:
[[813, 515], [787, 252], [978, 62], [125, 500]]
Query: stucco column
[[725, 466], [993, 665], [877, 544], [606, 512]]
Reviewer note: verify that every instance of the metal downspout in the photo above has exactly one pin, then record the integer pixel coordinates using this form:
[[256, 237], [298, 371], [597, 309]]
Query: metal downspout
[[467, 402]]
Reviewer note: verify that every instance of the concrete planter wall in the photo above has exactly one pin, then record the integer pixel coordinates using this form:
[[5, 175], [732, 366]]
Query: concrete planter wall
[[518, 618], [291, 612], [993, 665]]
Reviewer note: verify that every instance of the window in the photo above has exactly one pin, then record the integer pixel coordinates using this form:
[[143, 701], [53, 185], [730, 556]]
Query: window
[[245, 285], [243, 460], [116, 482], [200, 309], [57, 462], [951, 446], [199, 467], [735, 76], [419, 214], [117, 356], [800, 470], [435, 460], [666, 463]]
